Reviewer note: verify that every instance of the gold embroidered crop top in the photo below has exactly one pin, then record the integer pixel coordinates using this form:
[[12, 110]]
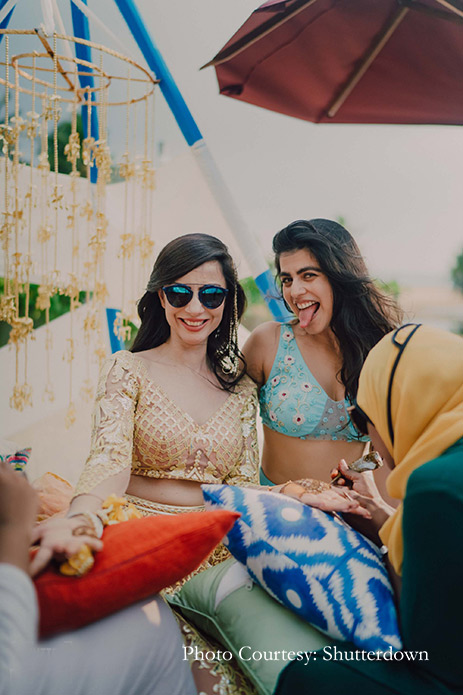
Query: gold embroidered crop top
[[136, 424]]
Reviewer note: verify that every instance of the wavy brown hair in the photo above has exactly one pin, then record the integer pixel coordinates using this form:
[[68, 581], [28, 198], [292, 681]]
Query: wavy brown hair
[[362, 314]]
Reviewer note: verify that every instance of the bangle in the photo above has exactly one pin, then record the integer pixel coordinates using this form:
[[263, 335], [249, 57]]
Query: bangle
[[282, 489], [94, 521], [90, 494]]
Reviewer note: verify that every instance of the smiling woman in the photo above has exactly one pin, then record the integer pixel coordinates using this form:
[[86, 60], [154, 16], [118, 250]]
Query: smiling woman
[[307, 370], [177, 410]]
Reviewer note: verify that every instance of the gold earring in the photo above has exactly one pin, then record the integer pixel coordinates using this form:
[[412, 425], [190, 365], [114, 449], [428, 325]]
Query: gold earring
[[229, 361]]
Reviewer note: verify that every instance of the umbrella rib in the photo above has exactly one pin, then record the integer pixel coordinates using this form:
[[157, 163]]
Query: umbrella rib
[[440, 14], [450, 6], [257, 34], [367, 61]]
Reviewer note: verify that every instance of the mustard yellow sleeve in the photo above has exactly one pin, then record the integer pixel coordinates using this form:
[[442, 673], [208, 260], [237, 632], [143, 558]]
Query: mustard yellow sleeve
[[113, 422], [246, 472]]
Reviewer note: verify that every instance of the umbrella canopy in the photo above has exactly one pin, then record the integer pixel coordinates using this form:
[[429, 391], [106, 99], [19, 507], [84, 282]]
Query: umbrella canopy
[[350, 61]]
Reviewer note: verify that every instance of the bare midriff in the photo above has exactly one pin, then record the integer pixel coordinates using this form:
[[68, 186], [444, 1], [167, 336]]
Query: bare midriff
[[290, 458], [183, 493]]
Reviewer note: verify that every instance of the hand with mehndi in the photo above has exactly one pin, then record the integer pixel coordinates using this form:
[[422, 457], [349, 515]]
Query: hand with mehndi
[[362, 489], [327, 500]]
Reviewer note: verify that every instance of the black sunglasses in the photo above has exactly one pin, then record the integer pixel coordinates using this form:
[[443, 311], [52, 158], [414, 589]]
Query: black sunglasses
[[210, 296], [357, 415]]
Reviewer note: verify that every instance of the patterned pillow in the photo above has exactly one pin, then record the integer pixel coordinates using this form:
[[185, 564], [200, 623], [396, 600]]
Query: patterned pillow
[[313, 563], [17, 459], [139, 558]]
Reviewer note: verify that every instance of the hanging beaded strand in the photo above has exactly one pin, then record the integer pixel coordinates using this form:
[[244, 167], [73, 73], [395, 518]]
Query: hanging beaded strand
[[7, 301], [55, 198], [72, 151]]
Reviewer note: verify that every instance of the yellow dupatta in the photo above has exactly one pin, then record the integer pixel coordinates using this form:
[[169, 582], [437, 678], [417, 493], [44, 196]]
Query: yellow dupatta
[[426, 408]]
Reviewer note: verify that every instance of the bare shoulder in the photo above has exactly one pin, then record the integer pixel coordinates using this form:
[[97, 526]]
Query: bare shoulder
[[270, 330], [260, 350]]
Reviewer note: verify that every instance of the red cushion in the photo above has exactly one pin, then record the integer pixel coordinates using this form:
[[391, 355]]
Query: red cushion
[[140, 557]]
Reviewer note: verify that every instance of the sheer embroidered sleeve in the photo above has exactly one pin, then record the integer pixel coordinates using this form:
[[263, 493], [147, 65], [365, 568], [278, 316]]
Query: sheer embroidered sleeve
[[113, 421], [246, 472]]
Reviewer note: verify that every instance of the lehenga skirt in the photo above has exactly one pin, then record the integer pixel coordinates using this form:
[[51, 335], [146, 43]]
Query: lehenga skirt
[[230, 680]]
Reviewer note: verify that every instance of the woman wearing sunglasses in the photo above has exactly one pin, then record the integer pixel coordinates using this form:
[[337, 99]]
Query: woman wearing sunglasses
[[307, 369], [177, 410], [410, 401]]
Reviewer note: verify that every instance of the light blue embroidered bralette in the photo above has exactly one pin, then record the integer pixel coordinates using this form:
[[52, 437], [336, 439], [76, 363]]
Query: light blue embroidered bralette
[[293, 402]]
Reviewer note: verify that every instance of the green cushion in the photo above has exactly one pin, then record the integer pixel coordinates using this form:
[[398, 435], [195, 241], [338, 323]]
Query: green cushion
[[248, 623]]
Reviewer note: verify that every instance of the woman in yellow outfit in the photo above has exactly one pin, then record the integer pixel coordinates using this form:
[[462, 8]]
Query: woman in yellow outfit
[[410, 400]]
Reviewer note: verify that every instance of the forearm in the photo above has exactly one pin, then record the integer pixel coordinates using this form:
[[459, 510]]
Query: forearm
[[396, 580], [369, 527], [18, 623], [14, 546], [92, 500]]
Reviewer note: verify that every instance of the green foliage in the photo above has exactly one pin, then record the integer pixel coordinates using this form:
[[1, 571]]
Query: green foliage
[[392, 288], [252, 292], [64, 131], [128, 343], [457, 273], [59, 305], [257, 310]]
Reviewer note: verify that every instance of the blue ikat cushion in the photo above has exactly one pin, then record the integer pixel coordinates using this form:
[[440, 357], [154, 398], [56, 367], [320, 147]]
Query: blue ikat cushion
[[313, 563]]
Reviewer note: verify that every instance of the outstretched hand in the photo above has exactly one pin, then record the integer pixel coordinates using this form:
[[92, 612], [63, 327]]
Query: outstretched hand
[[57, 541], [331, 500], [361, 483], [362, 488]]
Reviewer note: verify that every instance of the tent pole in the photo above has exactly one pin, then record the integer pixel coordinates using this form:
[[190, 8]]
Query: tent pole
[[82, 31], [6, 20], [245, 238]]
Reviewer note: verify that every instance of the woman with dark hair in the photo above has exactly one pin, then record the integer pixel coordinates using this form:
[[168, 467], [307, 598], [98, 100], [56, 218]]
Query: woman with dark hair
[[177, 410], [307, 370]]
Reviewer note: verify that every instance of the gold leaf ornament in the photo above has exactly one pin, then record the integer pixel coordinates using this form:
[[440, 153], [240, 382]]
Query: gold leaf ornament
[[71, 416], [21, 328], [21, 397], [121, 327], [72, 149], [7, 308], [44, 294]]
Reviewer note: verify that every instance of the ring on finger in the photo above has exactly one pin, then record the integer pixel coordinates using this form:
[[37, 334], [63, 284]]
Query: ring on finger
[[84, 531]]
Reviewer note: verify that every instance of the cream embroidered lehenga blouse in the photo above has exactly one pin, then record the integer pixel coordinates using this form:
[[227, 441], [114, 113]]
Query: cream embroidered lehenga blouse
[[136, 424]]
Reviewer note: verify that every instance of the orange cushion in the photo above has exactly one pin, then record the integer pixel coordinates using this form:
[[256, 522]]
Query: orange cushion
[[140, 557]]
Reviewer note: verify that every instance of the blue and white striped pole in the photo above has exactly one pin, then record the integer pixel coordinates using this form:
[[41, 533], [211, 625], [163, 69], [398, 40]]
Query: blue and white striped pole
[[245, 238], [6, 10]]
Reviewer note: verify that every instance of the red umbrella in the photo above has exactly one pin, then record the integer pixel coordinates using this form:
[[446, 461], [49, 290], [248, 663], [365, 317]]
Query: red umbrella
[[349, 61]]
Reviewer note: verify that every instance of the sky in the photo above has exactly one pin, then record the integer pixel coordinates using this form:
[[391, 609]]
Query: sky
[[398, 188]]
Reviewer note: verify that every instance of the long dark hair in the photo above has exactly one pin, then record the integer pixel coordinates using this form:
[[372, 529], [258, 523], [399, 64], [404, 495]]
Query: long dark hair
[[362, 314], [179, 257]]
